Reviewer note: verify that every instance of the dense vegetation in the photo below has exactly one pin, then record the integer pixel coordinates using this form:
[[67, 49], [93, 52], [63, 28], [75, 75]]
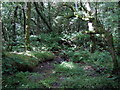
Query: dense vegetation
[[61, 45]]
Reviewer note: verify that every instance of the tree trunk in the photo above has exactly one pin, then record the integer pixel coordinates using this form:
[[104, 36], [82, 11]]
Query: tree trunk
[[118, 48], [38, 25], [49, 6], [98, 27], [42, 17], [109, 39], [93, 45], [27, 28], [24, 19], [14, 24]]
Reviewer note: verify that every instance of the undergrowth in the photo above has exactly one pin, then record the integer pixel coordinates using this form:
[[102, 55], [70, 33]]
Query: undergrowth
[[70, 73]]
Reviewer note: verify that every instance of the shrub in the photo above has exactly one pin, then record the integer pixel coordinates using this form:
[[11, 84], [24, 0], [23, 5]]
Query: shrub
[[78, 55]]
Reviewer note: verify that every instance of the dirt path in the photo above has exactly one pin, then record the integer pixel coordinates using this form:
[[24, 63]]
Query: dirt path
[[48, 66], [46, 69]]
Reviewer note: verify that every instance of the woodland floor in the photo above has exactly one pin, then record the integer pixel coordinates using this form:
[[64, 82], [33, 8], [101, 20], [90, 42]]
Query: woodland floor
[[63, 73], [47, 68]]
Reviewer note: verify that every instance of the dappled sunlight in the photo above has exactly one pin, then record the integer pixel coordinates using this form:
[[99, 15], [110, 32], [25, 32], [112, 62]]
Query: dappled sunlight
[[68, 65], [90, 25], [60, 45], [27, 53]]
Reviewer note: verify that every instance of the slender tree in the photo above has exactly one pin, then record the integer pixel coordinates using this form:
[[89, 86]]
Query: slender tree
[[96, 27], [27, 28], [42, 17], [14, 24]]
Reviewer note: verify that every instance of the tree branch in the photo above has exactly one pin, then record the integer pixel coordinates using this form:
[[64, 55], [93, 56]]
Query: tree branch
[[72, 8], [42, 17]]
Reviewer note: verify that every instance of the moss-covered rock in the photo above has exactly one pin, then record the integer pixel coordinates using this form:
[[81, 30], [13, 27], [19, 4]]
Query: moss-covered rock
[[43, 56], [24, 61]]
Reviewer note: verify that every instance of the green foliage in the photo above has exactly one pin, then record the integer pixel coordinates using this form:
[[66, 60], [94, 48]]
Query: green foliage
[[74, 76], [81, 55], [44, 55], [88, 82], [20, 80], [68, 22], [68, 68], [19, 61], [101, 56], [27, 80], [47, 83], [102, 59], [46, 42], [7, 66], [117, 43], [77, 39], [81, 37], [78, 55], [23, 61]]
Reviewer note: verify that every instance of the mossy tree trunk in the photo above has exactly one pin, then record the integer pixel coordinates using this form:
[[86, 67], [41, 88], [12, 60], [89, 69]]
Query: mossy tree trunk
[[24, 17], [108, 37], [49, 13], [27, 28], [42, 16], [109, 40], [118, 48], [95, 27], [14, 24], [98, 27], [91, 28]]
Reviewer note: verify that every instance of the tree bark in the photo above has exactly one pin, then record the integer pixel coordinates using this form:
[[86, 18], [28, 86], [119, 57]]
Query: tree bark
[[98, 27], [49, 6], [109, 40], [118, 48], [24, 19], [27, 28], [14, 24]]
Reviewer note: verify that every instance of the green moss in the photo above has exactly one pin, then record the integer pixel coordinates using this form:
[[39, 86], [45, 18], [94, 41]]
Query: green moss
[[42, 56], [24, 61], [21, 60]]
